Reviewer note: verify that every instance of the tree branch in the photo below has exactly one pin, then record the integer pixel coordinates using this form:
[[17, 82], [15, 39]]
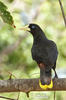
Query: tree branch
[[62, 12], [27, 85]]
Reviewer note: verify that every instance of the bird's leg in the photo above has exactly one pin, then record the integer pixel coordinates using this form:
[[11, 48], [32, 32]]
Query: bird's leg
[[56, 76], [54, 67]]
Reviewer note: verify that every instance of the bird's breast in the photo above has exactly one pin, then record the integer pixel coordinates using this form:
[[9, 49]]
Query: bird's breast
[[38, 53], [42, 52]]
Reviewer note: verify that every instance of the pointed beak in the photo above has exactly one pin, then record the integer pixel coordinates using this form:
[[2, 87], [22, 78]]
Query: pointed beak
[[26, 28]]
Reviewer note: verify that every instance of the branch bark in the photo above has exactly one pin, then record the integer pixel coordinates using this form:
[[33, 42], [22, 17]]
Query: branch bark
[[27, 85]]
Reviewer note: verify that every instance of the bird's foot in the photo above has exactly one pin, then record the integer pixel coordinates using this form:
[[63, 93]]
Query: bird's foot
[[46, 86]]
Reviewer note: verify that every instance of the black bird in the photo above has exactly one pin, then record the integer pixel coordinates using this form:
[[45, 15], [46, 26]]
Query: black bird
[[45, 53]]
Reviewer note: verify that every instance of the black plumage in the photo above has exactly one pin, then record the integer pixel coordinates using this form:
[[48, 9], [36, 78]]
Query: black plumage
[[44, 52]]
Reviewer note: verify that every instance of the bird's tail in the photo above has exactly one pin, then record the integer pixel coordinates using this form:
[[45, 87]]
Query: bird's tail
[[45, 79]]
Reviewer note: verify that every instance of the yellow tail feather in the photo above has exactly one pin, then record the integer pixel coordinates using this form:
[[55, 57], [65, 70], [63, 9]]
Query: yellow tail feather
[[46, 86]]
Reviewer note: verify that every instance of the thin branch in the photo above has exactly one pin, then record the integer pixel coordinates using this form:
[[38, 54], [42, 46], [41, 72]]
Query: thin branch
[[61, 6], [54, 94], [27, 85], [7, 98]]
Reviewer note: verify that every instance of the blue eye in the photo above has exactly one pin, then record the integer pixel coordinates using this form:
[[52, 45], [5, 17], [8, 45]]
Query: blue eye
[[33, 27]]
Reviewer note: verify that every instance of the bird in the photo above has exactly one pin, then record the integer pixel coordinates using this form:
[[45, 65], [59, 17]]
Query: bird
[[45, 53]]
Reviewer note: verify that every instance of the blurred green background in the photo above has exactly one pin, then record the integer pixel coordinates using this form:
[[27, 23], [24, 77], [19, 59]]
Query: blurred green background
[[15, 44]]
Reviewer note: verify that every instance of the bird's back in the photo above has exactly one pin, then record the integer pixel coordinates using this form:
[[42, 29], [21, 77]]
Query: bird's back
[[44, 51]]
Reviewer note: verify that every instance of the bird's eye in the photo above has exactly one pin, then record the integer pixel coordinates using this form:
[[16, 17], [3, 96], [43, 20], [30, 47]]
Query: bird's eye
[[33, 27]]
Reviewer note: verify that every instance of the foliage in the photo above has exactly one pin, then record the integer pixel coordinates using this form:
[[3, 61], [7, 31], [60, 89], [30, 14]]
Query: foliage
[[5, 15]]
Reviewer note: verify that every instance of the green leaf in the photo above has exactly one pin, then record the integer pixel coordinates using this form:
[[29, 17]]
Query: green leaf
[[2, 6], [5, 15]]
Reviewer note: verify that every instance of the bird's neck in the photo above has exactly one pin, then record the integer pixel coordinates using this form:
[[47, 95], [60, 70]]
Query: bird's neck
[[39, 36]]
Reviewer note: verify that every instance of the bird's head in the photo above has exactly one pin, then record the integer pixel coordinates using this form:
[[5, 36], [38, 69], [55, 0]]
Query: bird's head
[[34, 29]]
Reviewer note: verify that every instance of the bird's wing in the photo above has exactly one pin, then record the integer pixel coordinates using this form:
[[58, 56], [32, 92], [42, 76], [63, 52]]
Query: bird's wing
[[52, 52]]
